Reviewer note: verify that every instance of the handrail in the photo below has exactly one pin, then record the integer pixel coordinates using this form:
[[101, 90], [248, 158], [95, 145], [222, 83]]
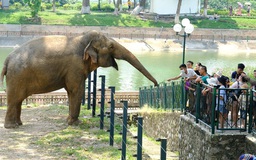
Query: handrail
[[207, 107]]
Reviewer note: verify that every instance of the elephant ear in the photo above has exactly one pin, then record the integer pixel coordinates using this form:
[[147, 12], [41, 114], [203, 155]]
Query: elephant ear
[[90, 52]]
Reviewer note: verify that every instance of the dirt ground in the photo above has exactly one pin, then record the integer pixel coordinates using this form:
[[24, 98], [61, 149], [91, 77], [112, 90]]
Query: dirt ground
[[19, 143], [22, 143]]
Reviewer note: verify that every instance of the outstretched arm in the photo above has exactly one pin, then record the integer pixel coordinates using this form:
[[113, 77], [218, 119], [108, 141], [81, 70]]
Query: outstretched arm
[[174, 78]]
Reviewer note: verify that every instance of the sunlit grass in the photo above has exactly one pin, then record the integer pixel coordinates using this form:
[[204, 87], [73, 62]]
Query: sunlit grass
[[75, 18]]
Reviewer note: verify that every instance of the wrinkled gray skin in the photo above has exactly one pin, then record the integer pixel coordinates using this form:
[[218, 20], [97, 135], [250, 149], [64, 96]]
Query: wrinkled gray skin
[[53, 62]]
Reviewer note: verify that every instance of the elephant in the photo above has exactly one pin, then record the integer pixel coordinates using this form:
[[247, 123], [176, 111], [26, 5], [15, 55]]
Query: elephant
[[53, 62]]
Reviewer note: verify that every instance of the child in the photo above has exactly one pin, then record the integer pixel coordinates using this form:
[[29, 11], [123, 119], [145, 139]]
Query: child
[[242, 104], [220, 103]]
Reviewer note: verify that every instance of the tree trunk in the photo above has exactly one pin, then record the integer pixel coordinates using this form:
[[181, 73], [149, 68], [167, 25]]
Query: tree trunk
[[116, 7], [177, 16], [134, 4], [53, 6], [120, 7], [86, 7], [205, 8]]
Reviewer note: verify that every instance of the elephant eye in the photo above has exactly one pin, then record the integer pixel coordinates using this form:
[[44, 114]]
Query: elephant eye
[[111, 46]]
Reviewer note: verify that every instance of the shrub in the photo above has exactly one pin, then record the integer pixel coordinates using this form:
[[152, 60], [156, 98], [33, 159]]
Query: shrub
[[94, 7], [78, 6], [17, 5], [43, 6], [107, 7], [66, 6], [49, 5]]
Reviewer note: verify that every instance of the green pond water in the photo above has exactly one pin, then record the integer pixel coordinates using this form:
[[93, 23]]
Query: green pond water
[[163, 65]]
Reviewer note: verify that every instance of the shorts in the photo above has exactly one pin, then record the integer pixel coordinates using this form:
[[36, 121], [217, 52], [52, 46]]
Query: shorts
[[242, 114], [222, 109]]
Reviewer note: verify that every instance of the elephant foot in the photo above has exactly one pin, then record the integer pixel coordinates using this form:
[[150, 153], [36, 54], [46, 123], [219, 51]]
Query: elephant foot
[[19, 123], [11, 125], [73, 121]]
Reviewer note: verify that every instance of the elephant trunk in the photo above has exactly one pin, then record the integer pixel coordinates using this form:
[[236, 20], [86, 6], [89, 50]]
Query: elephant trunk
[[129, 57]]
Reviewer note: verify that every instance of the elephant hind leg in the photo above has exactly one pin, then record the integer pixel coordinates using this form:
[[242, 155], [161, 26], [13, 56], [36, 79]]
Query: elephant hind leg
[[12, 118]]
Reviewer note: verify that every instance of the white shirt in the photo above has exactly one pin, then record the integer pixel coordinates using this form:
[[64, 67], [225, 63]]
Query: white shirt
[[190, 73]]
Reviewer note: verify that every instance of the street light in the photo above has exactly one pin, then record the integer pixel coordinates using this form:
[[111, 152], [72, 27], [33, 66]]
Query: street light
[[188, 29]]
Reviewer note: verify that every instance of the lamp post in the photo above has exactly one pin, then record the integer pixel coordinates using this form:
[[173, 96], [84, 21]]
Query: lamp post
[[188, 29]]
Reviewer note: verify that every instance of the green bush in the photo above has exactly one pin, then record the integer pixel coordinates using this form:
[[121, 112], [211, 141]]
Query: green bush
[[78, 6], [94, 7], [57, 4], [66, 6], [43, 6], [48, 5], [17, 5], [107, 7]]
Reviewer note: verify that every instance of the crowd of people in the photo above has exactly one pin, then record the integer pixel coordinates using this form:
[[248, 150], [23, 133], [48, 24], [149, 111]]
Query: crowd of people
[[238, 82]]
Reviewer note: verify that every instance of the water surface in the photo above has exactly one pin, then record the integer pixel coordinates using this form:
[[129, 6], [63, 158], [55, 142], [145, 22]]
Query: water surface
[[163, 65]]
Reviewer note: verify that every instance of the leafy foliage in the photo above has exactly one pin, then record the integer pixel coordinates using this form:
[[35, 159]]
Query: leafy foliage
[[35, 6]]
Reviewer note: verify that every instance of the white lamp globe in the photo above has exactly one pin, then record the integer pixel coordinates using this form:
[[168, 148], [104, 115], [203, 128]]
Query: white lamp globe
[[189, 28], [177, 27], [185, 22]]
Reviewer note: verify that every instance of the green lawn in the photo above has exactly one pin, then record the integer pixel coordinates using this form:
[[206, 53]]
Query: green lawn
[[73, 17]]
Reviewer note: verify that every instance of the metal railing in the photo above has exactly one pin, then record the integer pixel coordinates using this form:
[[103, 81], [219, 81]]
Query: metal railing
[[166, 96], [205, 107]]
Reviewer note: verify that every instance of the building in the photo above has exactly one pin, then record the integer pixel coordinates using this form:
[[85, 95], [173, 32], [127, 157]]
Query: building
[[170, 6], [4, 4]]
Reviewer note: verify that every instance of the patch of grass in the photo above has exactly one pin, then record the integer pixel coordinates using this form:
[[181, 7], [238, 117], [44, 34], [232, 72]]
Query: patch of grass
[[86, 141], [74, 18]]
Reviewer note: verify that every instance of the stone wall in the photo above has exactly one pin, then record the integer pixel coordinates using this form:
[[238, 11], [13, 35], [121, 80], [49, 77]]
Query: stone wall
[[163, 125], [194, 141], [251, 144]]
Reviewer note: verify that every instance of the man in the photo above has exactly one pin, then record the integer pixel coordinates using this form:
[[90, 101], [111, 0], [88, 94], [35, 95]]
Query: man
[[187, 73], [203, 74], [238, 72], [190, 64]]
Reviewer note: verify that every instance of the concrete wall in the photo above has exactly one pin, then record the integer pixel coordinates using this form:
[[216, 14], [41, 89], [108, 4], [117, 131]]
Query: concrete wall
[[127, 30], [193, 141]]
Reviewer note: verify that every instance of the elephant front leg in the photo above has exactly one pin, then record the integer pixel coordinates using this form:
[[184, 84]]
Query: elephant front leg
[[74, 107]]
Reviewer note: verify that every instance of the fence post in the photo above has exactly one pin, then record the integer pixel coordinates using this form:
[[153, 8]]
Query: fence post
[[151, 96], [89, 92], [140, 97], [102, 101], [250, 111], [198, 96], [139, 138], [124, 133], [112, 117], [94, 92], [165, 96], [173, 98], [158, 97], [163, 148], [213, 110], [183, 100]]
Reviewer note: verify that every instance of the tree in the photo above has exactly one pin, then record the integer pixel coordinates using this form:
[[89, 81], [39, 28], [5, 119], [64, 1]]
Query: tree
[[205, 8], [177, 16], [53, 6], [35, 6], [86, 7], [116, 3]]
